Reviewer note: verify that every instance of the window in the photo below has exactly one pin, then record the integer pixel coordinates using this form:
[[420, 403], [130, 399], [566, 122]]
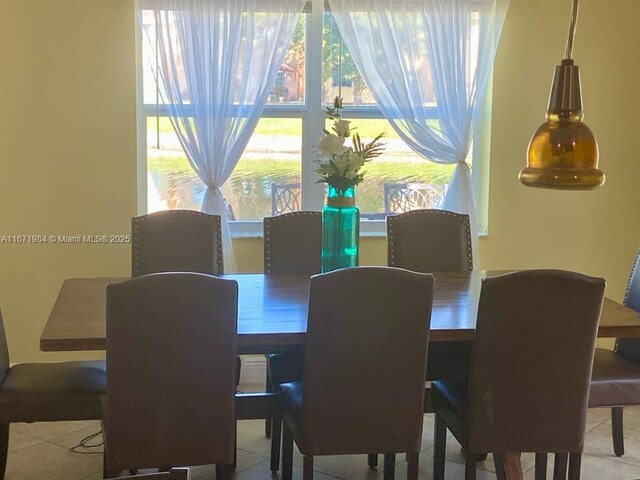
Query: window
[[279, 159]]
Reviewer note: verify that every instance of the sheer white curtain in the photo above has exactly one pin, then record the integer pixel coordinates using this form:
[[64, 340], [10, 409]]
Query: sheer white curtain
[[217, 61], [421, 56]]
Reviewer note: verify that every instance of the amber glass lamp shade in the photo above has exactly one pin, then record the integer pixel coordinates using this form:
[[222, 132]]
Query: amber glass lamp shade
[[563, 153]]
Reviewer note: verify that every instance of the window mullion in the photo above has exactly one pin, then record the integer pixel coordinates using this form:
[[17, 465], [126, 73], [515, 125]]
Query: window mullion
[[312, 193], [141, 121]]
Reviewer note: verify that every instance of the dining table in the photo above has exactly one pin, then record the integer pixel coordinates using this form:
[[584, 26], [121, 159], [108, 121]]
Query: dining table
[[272, 312], [272, 316]]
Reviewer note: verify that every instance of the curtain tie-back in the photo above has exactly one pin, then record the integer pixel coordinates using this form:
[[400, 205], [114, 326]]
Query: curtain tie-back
[[214, 189]]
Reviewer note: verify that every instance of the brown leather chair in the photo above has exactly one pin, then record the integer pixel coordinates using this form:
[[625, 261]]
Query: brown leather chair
[[176, 241], [615, 380], [174, 474], [292, 245], [46, 392], [364, 368], [517, 399], [171, 343]]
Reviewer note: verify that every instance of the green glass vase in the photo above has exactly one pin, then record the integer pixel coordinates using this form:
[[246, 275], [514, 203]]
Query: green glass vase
[[340, 229]]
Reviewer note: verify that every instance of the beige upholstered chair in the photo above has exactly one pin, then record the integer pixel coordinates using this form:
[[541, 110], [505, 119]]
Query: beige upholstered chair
[[171, 343], [364, 368], [615, 378], [292, 245], [46, 392], [176, 241], [517, 399], [429, 241], [434, 241]]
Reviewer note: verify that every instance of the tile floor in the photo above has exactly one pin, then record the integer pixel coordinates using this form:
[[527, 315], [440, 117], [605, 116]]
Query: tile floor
[[40, 452]]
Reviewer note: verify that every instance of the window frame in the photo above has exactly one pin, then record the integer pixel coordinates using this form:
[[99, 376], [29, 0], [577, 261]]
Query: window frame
[[312, 115]]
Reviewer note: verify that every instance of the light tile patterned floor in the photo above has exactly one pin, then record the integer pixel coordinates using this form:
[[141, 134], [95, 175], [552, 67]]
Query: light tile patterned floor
[[40, 452]]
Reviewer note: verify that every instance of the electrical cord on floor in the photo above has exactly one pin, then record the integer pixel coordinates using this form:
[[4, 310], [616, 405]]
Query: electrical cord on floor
[[85, 444]]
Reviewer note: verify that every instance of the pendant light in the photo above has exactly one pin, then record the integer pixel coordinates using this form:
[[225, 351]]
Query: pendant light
[[563, 153]]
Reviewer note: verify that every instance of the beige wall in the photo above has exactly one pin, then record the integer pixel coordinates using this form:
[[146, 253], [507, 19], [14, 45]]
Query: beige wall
[[592, 232], [68, 158]]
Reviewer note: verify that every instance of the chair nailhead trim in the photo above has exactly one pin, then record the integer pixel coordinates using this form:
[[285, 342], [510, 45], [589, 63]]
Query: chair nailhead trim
[[136, 222], [633, 269], [392, 219], [268, 221]]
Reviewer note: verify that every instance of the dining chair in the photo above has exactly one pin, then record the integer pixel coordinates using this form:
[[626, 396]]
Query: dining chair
[[292, 245], [517, 399], [429, 241], [615, 381], [364, 368], [434, 241], [171, 344], [173, 474], [46, 392], [176, 241]]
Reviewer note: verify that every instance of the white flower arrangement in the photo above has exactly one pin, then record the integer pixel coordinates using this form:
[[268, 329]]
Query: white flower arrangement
[[340, 165]]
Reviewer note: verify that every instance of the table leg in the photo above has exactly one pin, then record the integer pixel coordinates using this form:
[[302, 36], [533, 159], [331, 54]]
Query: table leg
[[512, 466]]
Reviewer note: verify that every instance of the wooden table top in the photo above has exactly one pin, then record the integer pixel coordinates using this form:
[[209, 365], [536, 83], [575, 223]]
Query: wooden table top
[[272, 311]]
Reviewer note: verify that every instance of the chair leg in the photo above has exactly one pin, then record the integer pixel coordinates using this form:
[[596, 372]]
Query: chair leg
[[307, 467], [276, 438], [372, 460], [287, 452], [560, 466], [617, 431], [541, 466], [389, 466], [497, 462], [575, 459], [4, 448], [223, 471], [412, 466], [470, 460], [482, 457], [105, 473], [268, 387], [439, 448], [235, 445]]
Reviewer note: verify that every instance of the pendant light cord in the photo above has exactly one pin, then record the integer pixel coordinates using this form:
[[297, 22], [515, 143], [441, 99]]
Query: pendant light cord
[[572, 31]]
